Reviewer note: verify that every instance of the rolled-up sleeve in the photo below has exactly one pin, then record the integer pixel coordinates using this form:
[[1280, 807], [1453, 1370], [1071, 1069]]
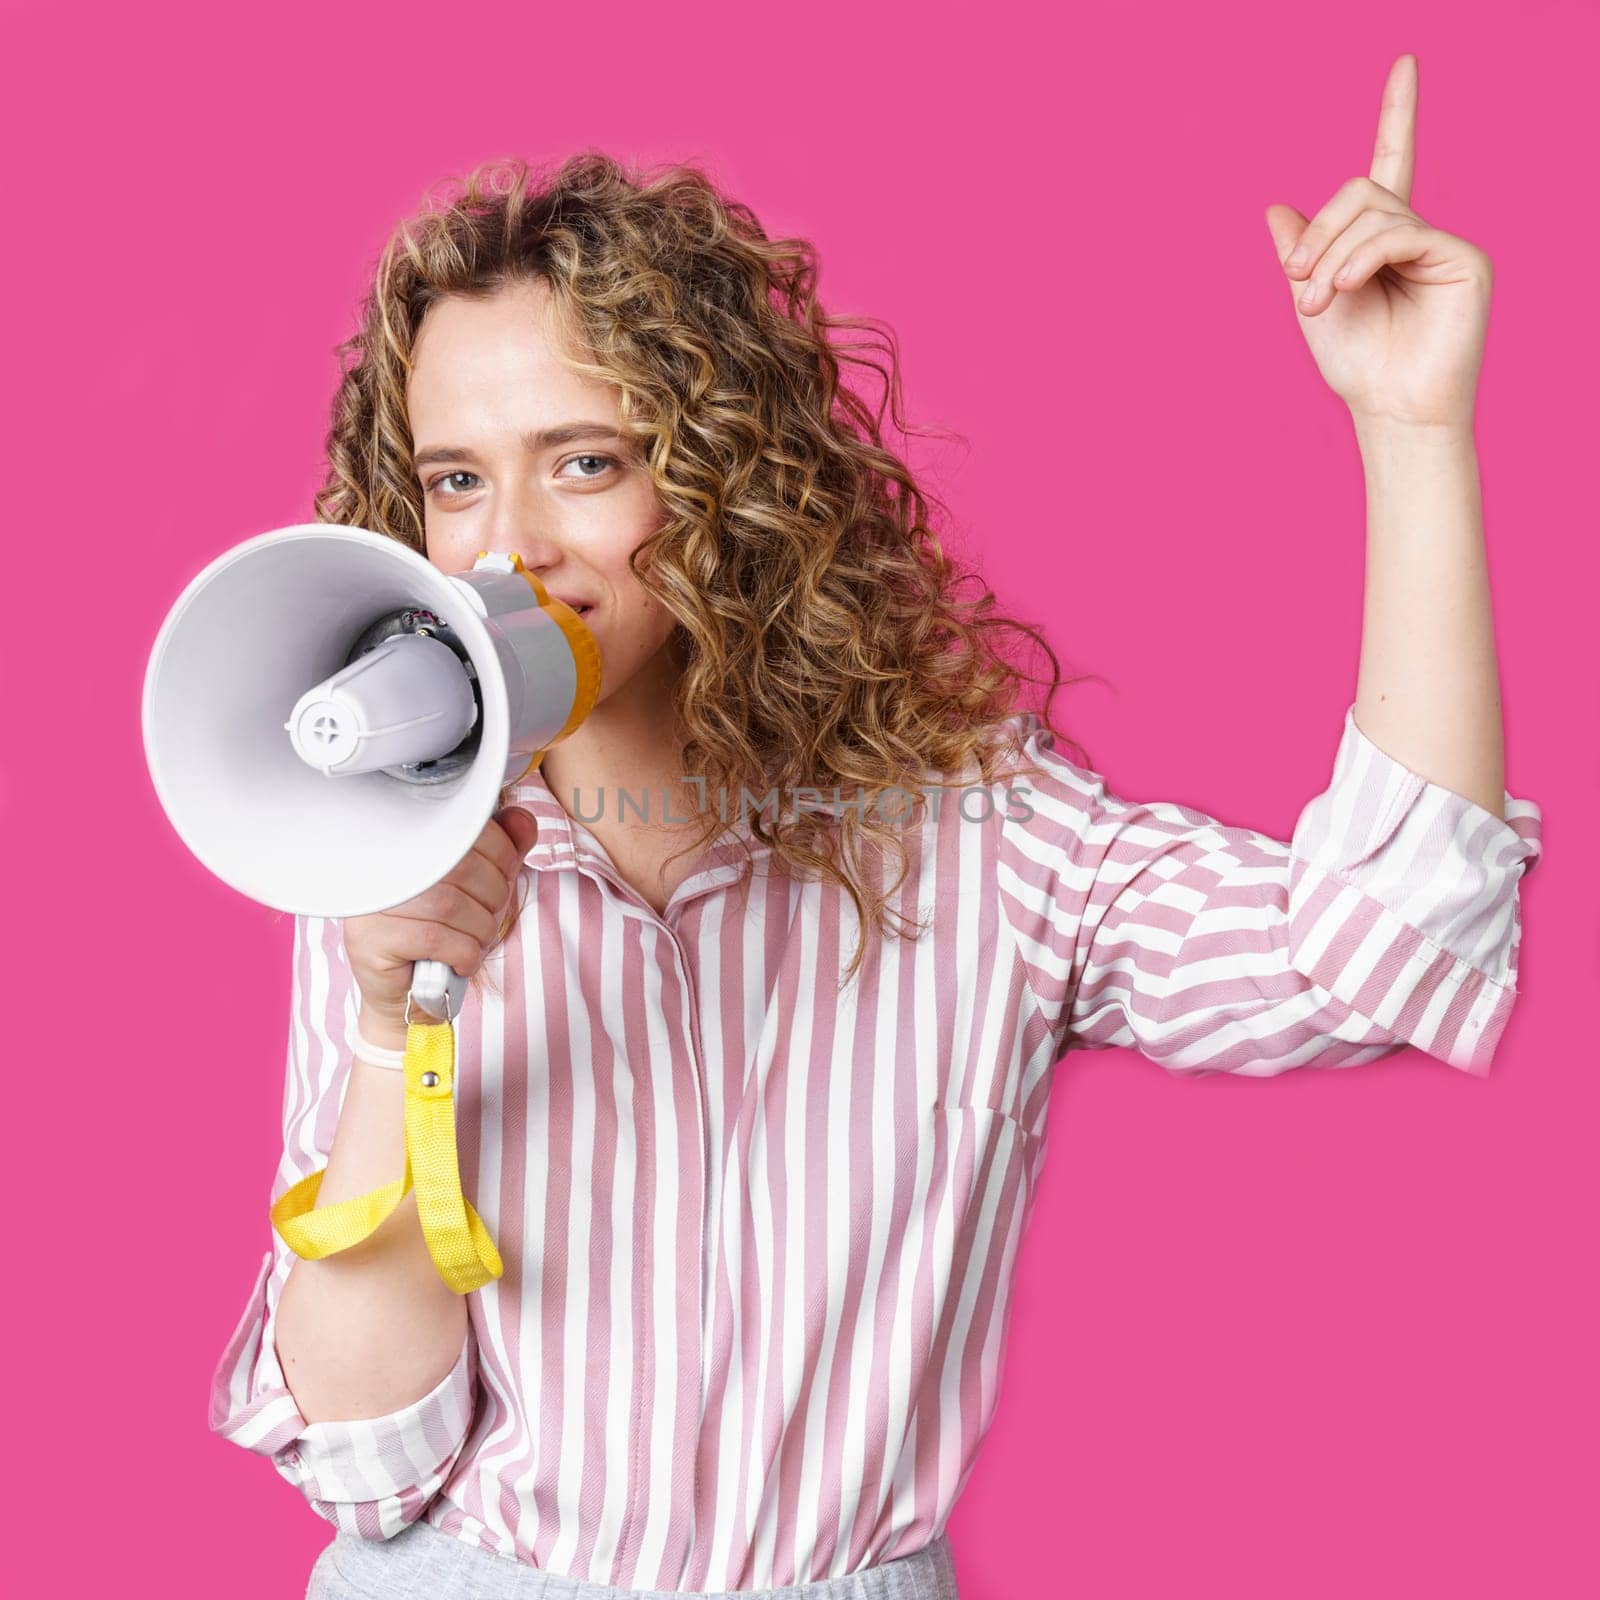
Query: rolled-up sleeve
[[1390, 918], [370, 1476]]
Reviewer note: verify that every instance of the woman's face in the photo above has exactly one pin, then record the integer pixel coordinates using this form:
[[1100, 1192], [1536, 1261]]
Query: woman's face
[[486, 398]]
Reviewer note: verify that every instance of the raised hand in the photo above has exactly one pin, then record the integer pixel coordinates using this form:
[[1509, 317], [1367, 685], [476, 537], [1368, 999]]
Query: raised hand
[[1394, 310]]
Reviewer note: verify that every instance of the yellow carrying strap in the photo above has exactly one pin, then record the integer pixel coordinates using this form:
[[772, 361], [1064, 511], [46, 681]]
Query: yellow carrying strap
[[457, 1239]]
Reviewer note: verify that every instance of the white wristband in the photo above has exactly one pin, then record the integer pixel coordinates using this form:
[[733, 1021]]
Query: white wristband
[[375, 1054]]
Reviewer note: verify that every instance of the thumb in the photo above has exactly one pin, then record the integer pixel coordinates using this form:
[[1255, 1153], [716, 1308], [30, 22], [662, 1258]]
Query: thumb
[[1285, 224], [522, 826]]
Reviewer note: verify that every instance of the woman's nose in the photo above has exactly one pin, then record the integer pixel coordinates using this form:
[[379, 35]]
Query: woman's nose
[[521, 528]]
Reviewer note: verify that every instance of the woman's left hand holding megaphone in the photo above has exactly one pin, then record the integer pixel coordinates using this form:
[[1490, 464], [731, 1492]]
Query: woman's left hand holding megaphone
[[454, 923], [457, 921]]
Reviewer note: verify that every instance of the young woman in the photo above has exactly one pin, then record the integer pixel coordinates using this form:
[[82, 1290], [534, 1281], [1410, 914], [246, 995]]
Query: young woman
[[753, 1098]]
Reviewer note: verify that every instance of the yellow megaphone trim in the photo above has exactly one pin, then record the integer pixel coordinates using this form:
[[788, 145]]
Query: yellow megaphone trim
[[585, 652]]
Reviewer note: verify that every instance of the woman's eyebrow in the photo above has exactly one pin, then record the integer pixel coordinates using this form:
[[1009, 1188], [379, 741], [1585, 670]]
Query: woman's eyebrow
[[542, 439]]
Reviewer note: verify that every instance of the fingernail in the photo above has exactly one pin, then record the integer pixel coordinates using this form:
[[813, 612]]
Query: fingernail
[[1297, 258], [1309, 295]]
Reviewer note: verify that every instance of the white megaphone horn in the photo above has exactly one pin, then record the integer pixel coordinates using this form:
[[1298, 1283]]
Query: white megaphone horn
[[329, 720]]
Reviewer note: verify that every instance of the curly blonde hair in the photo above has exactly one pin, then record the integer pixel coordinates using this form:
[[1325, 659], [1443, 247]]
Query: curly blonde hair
[[822, 639]]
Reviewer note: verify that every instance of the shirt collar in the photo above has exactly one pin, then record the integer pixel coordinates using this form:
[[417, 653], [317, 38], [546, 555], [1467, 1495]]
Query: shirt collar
[[565, 841]]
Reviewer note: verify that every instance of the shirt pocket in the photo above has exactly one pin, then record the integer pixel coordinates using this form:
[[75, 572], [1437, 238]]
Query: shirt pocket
[[992, 1161]]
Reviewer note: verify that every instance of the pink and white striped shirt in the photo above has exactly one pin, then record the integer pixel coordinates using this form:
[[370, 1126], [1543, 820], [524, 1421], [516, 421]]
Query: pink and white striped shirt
[[759, 1231]]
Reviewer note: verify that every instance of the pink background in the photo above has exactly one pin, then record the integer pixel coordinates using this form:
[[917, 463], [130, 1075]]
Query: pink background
[[1324, 1335]]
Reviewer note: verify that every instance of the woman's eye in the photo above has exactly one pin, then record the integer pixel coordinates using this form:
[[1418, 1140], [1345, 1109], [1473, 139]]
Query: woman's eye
[[606, 461], [444, 477]]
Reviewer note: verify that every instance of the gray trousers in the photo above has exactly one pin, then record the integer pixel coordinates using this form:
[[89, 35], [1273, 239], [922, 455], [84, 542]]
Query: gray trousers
[[423, 1562]]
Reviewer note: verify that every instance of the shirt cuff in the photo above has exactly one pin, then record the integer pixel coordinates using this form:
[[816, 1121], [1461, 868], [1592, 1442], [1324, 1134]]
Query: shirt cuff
[[1403, 902], [388, 1467]]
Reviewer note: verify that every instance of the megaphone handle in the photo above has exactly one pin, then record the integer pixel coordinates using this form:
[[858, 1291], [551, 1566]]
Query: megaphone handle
[[438, 989]]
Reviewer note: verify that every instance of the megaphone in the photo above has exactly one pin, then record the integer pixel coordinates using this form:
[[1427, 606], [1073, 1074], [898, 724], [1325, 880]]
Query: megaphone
[[329, 721]]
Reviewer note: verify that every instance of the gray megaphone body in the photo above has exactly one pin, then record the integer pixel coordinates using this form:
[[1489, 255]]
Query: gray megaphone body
[[329, 720]]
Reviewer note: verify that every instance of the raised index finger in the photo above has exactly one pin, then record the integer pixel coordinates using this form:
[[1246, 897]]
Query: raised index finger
[[1394, 156]]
